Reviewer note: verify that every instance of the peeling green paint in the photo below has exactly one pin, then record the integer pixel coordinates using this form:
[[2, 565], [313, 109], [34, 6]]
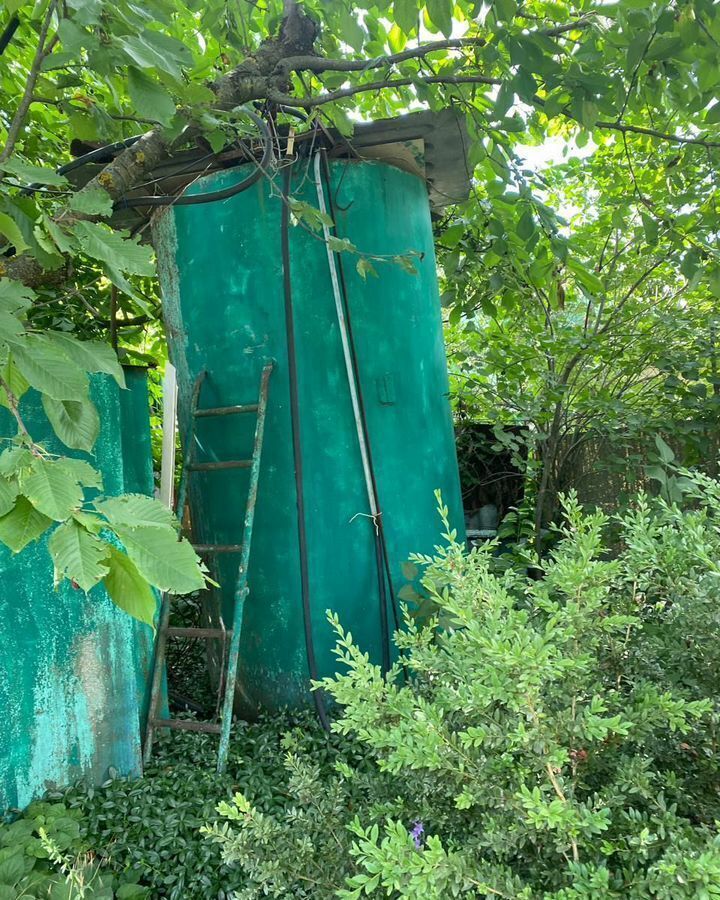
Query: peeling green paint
[[221, 274], [73, 667]]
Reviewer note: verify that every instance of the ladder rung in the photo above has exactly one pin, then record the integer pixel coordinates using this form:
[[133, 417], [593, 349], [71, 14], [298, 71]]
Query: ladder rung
[[187, 725], [226, 410], [198, 632], [227, 464], [217, 548]]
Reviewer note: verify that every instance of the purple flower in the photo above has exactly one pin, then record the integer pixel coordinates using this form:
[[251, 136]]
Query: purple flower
[[418, 830]]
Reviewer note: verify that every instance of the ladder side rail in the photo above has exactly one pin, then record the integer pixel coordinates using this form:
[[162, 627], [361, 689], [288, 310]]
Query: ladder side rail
[[241, 588], [164, 620]]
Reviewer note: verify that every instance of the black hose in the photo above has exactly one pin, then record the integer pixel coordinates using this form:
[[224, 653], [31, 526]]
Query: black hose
[[78, 162], [169, 199], [212, 196], [9, 33], [381, 551], [318, 695]]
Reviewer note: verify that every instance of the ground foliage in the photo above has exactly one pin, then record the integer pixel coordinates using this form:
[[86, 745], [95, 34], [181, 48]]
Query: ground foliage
[[638, 79], [44, 855], [150, 828], [547, 738]]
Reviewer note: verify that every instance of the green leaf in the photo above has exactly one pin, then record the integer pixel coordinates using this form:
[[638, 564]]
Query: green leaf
[[15, 382], [14, 296], [589, 280], [9, 228], [134, 510], [25, 171], [100, 242], [8, 495], [64, 242], [712, 116], [48, 370], [128, 589], [82, 472], [166, 562], [505, 9], [12, 870], [406, 15], [351, 31], [75, 422], [93, 356], [52, 489], [149, 98], [690, 263], [78, 555], [667, 454], [452, 236], [92, 202], [10, 326], [635, 50], [22, 525], [153, 50], [650, 227], [14, 460], [504, 99], [526, 225], [365, 267], [440, 13]]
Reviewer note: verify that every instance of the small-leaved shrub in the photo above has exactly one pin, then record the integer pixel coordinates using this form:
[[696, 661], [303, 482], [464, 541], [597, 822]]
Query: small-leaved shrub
[[42, 854], [550, 737], [149, 828]]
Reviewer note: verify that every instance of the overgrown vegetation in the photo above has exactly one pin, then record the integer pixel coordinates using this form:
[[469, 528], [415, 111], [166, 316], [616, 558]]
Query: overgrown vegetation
[[550, 738], [150, 828]]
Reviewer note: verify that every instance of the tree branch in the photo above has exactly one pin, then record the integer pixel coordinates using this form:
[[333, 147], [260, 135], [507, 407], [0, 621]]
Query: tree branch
[[323, 64], [653, 132], [43, 51], [13, 407], [341, 93]]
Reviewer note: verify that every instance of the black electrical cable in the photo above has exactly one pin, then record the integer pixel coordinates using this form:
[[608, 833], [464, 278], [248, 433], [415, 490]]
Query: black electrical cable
[[92, 156], [381, 551], [9, 33], [318, 696], [212, 196], [170, 199]]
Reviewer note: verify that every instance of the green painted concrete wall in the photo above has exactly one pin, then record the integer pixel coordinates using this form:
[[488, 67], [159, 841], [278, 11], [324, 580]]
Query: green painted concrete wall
[[73, 668], [221, 275]]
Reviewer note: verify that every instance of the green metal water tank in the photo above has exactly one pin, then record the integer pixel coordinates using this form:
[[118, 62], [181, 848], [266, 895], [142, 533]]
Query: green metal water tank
[[74, 669], [222, 279]]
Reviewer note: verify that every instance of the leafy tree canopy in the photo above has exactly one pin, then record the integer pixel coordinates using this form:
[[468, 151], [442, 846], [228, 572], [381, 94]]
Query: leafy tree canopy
[[635, 80]]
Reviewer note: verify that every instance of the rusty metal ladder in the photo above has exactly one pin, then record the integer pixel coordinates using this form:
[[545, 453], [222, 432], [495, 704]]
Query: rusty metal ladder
[[165, 630]]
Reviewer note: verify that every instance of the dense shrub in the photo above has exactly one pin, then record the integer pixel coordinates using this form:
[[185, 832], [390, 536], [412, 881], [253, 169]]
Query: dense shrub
[[149, 828], [43, 855], [548, 738]]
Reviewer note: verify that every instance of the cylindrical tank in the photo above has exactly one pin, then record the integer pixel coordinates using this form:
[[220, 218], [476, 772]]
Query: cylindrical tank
[[74, 669], [221, 273]]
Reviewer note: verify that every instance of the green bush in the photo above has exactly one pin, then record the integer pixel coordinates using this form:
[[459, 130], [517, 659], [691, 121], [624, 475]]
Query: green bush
[[43, 855], [548, 738], [149, 828]]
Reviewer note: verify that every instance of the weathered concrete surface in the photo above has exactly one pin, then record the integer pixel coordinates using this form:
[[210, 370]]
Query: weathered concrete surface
[[73, 668]]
